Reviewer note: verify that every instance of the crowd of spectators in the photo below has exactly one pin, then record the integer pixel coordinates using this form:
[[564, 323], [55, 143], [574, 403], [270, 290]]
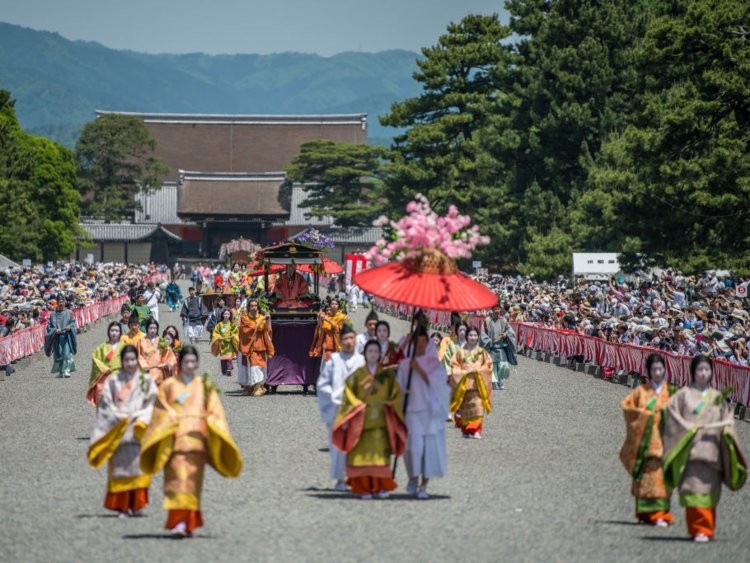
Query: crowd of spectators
[[28, 294], [669, 311]]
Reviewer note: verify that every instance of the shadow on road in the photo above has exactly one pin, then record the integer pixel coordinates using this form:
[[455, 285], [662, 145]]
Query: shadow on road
[[621, 522], [667, 538], [165, 536], [105, 515], [334, 495]]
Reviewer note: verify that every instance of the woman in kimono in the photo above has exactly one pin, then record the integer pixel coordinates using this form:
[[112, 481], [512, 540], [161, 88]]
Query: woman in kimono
[[225, 342], [155, 354], [701, 449], [471, 380], [187, 431], [642, 452], [104, 360], [60, 339], [369, 426], [426, 411], [122, 415], [390, 352], [173, 296], [172, 335], [451, 344], [327, 339]]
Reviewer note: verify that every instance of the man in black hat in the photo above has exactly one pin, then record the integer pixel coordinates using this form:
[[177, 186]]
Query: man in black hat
[[371, 323]]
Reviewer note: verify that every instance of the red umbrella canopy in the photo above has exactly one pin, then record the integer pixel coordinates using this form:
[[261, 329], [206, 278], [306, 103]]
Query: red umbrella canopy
[[430, 281], [329, 267]]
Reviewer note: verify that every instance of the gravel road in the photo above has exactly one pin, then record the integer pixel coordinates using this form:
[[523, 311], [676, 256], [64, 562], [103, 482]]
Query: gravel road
[[544, 484]]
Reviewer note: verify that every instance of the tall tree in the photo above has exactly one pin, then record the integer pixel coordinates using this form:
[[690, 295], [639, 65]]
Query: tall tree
[[442, 153], [342, 180], [115, 158], [39, 202], [674, 186], [571, 84]]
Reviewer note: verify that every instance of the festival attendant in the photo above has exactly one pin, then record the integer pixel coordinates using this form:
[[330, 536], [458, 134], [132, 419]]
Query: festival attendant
[[225, 342], [471, 380], [255, 349], [155, 354], [104, 360]]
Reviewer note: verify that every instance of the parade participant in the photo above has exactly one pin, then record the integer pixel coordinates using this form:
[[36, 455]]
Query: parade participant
[[452, 343], [122, 415], [327, 337], [256, 349], [124, 318], [371, 323], [155, 355], [172, 335], [701, 449], [390, 352], [369, 426], [436, 338], [499, 339], [225, 342], [193, 315], [188, 430], [289, 288], [141, 310], [60, 339], [173, 295], [151, 297], [426, 411], [104, 360], [330, 386], [471, 380], [215, 316], [642, 452], [134, 334]]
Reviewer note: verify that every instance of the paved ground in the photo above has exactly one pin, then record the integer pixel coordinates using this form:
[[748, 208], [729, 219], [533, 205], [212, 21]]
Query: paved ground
[[545, 483]]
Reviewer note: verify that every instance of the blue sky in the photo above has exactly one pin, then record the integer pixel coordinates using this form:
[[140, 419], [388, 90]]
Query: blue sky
[[325, 27]]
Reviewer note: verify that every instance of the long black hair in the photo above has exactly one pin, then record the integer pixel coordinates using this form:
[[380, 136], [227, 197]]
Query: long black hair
[[698, 360], [114, 323], [125, 349], [654, 359], [372, 342], [187, 350]]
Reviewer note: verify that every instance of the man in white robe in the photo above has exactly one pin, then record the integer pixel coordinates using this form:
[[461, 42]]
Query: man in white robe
[[151, 297], [330, 388], [425, 413]]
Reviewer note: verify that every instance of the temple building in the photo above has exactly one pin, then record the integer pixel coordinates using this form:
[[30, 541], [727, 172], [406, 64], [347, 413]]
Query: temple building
[[226, 179]]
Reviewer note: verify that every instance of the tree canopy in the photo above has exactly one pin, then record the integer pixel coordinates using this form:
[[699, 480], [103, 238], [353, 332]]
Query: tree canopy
[[39, 202], [115, 161]]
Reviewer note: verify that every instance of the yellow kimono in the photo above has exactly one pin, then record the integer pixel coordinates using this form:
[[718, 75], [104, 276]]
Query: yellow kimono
[[225, 340], [187, 431], [642, 452], [104, 360], [369, 428], [126, 338], [471, 380], [122, 416]]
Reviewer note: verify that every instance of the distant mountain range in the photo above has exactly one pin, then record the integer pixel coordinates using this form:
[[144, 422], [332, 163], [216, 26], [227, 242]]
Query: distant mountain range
[[59, 83]]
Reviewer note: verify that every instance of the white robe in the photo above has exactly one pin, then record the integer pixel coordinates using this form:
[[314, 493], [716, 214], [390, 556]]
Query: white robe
[[361, 341], [330, 389], [425, 416]]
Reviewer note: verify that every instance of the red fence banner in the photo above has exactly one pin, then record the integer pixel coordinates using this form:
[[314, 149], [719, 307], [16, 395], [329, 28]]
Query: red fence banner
[[30, 340]]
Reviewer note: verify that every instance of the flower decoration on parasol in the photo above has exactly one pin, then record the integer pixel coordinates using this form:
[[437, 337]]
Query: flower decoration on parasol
[[314, 238], [417, 266]]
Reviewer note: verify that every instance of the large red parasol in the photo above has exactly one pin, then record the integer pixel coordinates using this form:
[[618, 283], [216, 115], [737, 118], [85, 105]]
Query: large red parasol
[[329, 267], [430, 281]]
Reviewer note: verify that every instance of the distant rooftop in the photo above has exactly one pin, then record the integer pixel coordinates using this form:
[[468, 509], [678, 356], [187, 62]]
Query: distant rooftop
[[250, 119]]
